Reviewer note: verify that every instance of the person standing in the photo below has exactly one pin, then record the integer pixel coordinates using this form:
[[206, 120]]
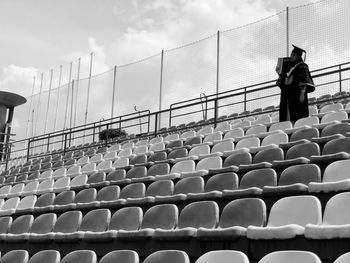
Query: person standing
[[295, 84]]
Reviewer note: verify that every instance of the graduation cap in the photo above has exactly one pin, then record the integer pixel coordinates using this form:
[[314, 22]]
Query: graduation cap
[[299, 51]]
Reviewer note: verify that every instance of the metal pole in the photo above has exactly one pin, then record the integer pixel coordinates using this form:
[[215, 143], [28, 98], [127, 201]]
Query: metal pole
[[30, 109], [287, 30], [77, 92], [161, 87], [58, 99], [113, 95], [39, 101], [88, 91], [71, 108], [216, 102], [48, 102], [67, 101]]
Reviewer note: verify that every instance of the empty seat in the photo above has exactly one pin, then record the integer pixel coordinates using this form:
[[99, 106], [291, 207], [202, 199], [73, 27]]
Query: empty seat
[[44, 202], [335, 178], [178, 169], [105, 166], [18, 256], [225, 256], [193, 216], [9, 207], [203, 167], [74, 170], [235, 218], [181, 189], [336, 220], [295, 179], [333, 150], [124, 256], [47, 256], [68, 222], [263, 159], [288, 218], [290, 256], [26, 204], [248, 143], [343, 258], [21, 225], [252, 183], [169, 256], [163, 216], [80, 256], [43, 224]]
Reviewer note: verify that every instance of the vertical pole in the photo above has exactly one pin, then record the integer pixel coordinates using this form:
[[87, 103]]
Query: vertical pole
[[113, 95], [58, 98], [216, 106], [88, 95], [161, 86], [287, 30], [67, 101], [88, 91], [71, 108], [39, 101], [48, 102], [77, 92], [340, 79], [30, 109]]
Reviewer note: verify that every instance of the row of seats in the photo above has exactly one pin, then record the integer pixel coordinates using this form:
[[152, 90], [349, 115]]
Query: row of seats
[[289, 217], [171, 256]]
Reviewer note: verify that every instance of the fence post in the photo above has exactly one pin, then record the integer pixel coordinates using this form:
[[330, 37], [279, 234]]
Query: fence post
[[340, 79], [216, 102], [287, 30], [160, 87], [113, 95]]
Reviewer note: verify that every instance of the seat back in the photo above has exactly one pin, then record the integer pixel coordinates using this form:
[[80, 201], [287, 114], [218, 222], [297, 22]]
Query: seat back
[[96, 220], [164, 216], [80, 256], [136, 172], [238, 157], [68, 222], [135, 190], [43, 223], [160, 188], [108, 193], [290, 256], [21, 224], [47, 256], [199, 214], [86, 196], [18, 256], [244, 212], [248, 143], [269, 155], [334, 213], [304, 173], [259, 178], [209, 162], [124, 256], [169, 256], [299, 210], [189, 185], [345, 258], [126, 218], [225, 256], [222, 181], [303, 150], [337, 171], [338, 128], [275, 138], [183, 166]]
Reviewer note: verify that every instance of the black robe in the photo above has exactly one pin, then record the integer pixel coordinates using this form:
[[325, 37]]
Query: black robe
[[297, 78]]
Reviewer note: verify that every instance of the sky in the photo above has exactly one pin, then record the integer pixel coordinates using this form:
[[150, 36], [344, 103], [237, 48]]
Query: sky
[[40, 35]]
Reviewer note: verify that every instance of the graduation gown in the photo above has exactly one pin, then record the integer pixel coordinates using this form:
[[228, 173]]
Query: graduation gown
[[291, 84]]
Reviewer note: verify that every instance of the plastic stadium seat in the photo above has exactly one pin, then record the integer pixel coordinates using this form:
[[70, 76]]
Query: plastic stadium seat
[[136, 190], [20, 225], [83, 199], [280, 126], [126, 218], [125, 256], [234, 159], [158, 188], [142, 149], [114, 147], [105, 167], [136, 174], [111, 156], [171, 137], [62, 200], [181, 189], [45, 175], [193, 216], [18, 256], [43, 202], [176, 153], [107, 194], [205, 131], [74, 170], [290, 256], [169, 256], [16, 190], [203, 167], [89, 169], [234, 133], [43, 224], [4, 190], [298, 154], [160, 146], [255, 130], [343, 258], [139, 160], [332, 131], [209, 139], [263, 159], [288, 218], [157, 169], [175, 144], [26, 204], [336, 220], [215, 185], [97, 180], [116, 176], [163, 216], [157, 157], [97, 158], [252, 183], [335, 178], [224, 126], [80, 256], [235, 218], [59, 173], [248, 143], [5, 223], [271, 141], [223, 148], [196, 140], [47, 256], [156, 140], [187, 134], [295, 179], [122, 163], [195, 153], [126, 153], [79, 182], [83, 160], [177, 169], [333, 150], [9, 207], [61, 184], [225, 256]]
